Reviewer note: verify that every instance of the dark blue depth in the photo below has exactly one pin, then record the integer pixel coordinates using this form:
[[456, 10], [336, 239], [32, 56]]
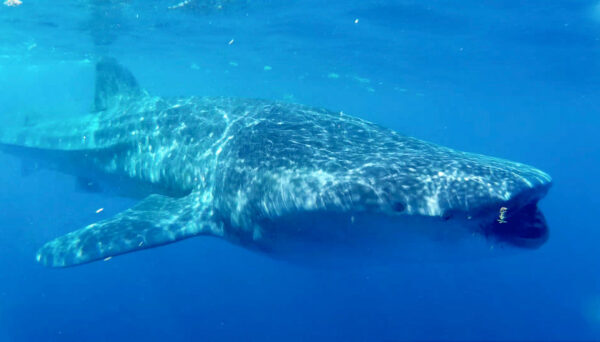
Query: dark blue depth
[[518, 81]]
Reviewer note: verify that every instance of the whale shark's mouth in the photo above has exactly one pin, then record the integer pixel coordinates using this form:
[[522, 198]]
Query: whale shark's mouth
[[525, 227]]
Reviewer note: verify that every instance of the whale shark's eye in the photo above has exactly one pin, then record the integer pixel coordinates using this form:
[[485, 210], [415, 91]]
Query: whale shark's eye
[[398, 207]]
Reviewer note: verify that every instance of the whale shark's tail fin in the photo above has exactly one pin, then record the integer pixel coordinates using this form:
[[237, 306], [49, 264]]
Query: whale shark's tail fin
[[114, 84], [155, 221]]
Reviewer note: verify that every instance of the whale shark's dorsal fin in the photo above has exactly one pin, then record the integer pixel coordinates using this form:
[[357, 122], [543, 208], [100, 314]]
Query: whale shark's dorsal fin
[[155, 221], [114, 84]]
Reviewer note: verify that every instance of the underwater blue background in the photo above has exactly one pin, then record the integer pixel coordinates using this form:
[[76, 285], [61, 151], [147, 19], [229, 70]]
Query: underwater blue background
[[514, 80]]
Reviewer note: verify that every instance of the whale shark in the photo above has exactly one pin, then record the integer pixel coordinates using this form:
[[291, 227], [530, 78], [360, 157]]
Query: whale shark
[[270, 176]]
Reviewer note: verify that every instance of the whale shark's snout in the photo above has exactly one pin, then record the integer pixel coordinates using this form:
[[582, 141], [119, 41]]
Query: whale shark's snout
[[495, 197]]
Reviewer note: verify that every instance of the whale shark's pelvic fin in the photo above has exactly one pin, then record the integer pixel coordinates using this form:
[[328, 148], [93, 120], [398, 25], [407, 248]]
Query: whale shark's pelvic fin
[[114, 84], [155, 221]]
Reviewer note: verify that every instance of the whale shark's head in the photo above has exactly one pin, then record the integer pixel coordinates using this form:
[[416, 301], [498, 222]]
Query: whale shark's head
[[502, 203], [389, 233], [492, 198], [303, 174]]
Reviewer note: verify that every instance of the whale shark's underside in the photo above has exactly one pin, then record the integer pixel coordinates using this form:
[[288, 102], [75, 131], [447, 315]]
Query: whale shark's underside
[[270, 176]]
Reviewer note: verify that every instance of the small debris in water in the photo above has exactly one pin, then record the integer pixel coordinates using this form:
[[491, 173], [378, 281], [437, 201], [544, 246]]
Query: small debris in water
[[231, 41], [99, 210], [107, 258], [502, 216], [361, 79], [13, 3], [179, 5], [356, 21]]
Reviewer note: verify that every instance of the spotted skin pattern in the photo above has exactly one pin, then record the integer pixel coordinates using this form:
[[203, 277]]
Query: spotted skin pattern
[[223, 166]]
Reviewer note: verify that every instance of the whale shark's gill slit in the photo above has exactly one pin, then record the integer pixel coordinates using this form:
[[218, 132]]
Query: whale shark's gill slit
[[447, 215]]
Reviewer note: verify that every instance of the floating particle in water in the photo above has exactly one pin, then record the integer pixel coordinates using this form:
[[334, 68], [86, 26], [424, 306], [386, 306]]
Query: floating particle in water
[[231, 41], [181, 4], [99, 210], [13, 3], [356, 21], [333, 75], [289, 97], [267, 68], [107, 258], [502, 215], [233, 64], [361, 79]]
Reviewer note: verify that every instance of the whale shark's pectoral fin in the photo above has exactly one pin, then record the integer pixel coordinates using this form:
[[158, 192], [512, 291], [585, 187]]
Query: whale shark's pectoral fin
[[155, 221]]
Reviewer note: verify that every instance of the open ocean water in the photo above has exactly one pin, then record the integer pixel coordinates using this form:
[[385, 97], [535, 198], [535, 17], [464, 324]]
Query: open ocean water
[[516, 80]]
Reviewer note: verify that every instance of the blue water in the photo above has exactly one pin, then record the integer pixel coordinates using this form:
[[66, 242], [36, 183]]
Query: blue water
[[505, 78]]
